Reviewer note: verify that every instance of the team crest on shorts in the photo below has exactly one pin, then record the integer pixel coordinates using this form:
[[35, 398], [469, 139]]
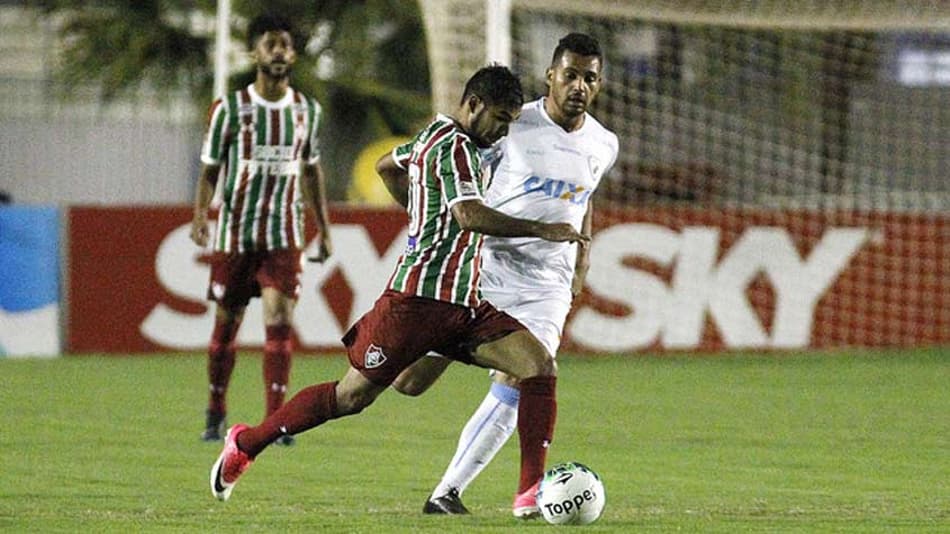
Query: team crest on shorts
[[374, 357]]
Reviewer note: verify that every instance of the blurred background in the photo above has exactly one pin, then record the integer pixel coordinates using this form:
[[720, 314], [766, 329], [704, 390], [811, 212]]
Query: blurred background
[[790, 156], [123, 88]]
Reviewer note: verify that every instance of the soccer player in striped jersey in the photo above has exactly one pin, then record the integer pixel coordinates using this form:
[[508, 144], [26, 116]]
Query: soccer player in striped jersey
[[264, 136], [432, 301], [547, 168]]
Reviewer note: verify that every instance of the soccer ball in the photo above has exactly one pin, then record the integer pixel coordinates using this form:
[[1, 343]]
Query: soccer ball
[[571, 494]]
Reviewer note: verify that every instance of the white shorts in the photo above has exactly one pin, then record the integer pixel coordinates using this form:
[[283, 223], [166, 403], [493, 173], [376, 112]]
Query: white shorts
[[543, 317]]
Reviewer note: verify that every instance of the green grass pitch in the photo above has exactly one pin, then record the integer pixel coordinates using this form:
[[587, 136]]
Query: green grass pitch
[[831, 442]]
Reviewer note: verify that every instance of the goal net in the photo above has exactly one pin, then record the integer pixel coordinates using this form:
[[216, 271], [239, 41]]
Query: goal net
[[784, 170]]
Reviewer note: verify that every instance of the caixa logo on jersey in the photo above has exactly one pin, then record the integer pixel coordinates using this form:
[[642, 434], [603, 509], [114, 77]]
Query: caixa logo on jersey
[[554, 188]]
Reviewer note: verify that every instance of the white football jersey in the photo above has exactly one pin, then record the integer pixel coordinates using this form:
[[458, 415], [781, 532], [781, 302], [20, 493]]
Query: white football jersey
[[544, 173]]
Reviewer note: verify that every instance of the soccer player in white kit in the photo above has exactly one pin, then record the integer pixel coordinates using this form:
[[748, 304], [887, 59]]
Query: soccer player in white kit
[[546, 169]]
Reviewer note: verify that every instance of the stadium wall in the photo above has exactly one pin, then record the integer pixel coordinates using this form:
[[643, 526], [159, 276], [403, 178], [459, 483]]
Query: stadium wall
[[137, 283], [83, 161]]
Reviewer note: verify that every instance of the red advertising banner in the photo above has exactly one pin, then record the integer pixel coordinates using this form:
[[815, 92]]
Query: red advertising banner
[[137, 283], [703, 279], [661, 279]]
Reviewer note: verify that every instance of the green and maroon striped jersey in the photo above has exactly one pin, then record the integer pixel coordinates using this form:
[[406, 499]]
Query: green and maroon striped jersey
[[262, 146], [441, 260]]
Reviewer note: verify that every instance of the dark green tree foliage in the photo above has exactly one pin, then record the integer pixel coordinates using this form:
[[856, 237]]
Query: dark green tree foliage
[[123, 46], [378, 84]]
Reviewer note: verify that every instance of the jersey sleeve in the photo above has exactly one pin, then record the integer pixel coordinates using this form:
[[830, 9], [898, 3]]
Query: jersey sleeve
[[402, 153], [217, 137], [312, 152], [459, 167]]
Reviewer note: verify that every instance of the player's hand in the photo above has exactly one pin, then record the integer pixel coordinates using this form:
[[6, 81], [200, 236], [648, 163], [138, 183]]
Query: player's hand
[[324, 250], [563, 232], [199, 230]]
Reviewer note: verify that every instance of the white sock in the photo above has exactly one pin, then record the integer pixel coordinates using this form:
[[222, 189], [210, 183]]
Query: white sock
[[486, 431]]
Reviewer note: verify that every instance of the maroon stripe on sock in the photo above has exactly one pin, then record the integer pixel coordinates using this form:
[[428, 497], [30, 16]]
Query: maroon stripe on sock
[[537, 413], [277, 361], [221, 357]]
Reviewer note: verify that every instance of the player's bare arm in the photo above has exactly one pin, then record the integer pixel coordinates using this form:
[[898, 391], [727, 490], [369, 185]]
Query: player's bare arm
[[204, 192], [314, 191], [582, 263], [395, 178], [475, 216]]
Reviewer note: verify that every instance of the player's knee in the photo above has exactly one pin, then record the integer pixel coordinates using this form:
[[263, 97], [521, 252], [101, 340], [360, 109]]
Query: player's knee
[[539, 366], [278, 308], [229, 314], [406, 387], [279, 317], [505, 379], [407, 384], [547, 367]]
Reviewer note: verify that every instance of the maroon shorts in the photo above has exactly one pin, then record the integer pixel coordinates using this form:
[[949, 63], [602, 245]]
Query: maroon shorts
[[402, 328], [238, 277]]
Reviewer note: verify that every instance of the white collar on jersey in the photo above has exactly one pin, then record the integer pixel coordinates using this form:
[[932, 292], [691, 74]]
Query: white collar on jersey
[[261, 101]]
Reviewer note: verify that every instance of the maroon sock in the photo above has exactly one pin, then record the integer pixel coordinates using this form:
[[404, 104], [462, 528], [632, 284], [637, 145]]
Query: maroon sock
[[311, 407], [537, 412], [277, 349], [221, 356]]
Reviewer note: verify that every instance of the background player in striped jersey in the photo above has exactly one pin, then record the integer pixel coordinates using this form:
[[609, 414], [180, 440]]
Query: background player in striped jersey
[[265, 138], [431, 302], [550, 164]]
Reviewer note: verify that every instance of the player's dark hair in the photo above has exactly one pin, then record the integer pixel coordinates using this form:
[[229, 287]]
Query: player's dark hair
[[268, 22], [578, 43], [495, 85]]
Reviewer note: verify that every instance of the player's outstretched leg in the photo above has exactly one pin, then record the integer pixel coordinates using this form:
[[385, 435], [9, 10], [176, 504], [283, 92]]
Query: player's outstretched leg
[[482, 437], [310, 407]]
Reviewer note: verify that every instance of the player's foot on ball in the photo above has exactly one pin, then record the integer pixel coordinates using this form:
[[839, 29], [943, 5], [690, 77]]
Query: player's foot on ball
[[450, 503], [526, 503], [215, 423], [286, 440], [231, 463]]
